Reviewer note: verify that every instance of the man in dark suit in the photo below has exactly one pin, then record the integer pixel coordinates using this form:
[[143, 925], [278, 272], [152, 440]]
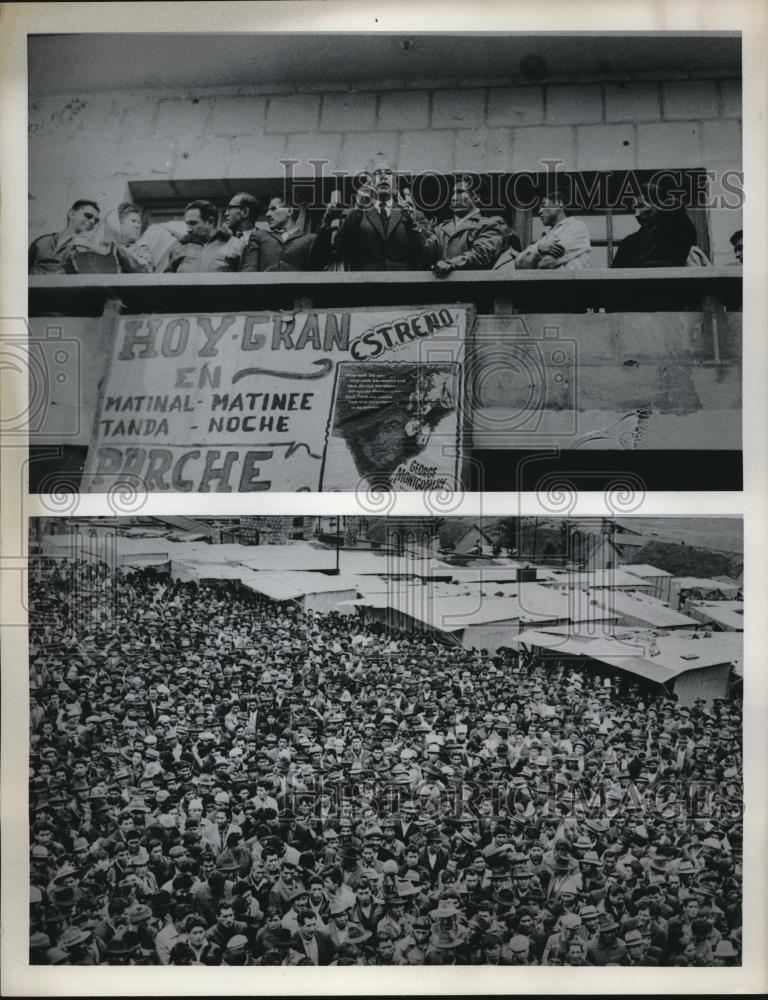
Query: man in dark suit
[[406, 826], [283, 247], [384, 231], [434, 857], [152, 709], [311, 943]]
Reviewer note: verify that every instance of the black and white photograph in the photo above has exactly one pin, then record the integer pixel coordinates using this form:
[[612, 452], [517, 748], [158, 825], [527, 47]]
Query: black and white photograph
[[559, 214], [383, 437], [385, 741]]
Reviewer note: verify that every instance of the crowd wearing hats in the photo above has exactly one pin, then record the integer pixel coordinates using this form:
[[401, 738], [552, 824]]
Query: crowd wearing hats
[[218, 779]]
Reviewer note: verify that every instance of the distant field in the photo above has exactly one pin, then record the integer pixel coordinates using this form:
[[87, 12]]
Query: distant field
[[722, 534]]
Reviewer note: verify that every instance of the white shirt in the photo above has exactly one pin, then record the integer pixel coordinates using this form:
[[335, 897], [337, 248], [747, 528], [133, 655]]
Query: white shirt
[[310, 947]]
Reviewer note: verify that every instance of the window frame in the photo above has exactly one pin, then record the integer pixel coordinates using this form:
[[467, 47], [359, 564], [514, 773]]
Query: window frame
[[161, 200]]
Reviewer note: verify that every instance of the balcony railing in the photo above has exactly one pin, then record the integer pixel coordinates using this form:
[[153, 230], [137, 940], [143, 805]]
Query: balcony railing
[[627, 290], [662, 342]]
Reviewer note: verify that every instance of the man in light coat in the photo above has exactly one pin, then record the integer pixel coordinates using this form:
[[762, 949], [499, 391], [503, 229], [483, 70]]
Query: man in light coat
[[468, 240]]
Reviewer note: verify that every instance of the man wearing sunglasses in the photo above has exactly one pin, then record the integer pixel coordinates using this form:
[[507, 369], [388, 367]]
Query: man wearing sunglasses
[[50, 254]]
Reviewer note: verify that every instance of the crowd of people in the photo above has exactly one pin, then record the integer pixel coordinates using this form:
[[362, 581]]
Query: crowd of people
[[382, 231], [218, 779]]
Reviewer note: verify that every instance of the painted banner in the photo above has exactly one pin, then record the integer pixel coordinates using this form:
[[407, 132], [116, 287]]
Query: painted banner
[[314, 400]]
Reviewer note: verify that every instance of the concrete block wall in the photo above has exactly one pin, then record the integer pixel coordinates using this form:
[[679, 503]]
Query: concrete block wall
[[94, 144]]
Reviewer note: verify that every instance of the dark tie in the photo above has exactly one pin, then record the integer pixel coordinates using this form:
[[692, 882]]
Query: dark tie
[[383, 214]]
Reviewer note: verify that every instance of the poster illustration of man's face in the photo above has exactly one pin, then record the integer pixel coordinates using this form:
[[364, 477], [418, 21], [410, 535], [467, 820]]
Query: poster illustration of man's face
[[381, 439], [387, 443]]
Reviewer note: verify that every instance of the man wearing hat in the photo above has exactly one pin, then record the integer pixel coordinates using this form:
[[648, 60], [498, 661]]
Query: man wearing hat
[[447, 944], [339, 926], [636, 953], [79, 946], [606, 948], [406, 826], [424, 716], [396, 922], [434, 855], [39, 943], [124, 949], [299, 902], [556, 948], [391, 848], [236, 951], [412, 949], [517, 951], [725, 954]]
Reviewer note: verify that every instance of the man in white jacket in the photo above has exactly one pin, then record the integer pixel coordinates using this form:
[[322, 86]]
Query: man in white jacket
[[564, 246]]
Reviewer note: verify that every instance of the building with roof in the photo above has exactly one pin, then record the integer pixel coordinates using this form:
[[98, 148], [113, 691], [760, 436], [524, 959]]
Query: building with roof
[[685, 588], [476, 540], [593, 552], [275, 529], [413, 535], [607, 577], [160, 120], [641, 610], [690, 665], [722, 616], [486, 619], [664, 103], [511, 571], [314, 592], [659, 579]]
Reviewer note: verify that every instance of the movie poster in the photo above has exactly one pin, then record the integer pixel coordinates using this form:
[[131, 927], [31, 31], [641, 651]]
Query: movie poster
[[264, 401]]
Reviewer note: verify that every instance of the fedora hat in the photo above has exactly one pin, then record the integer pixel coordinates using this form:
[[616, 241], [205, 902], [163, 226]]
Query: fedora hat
[[72, 937], [446, 908]]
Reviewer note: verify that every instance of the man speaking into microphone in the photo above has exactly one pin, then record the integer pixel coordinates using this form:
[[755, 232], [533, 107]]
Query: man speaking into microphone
[[384, 231]]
